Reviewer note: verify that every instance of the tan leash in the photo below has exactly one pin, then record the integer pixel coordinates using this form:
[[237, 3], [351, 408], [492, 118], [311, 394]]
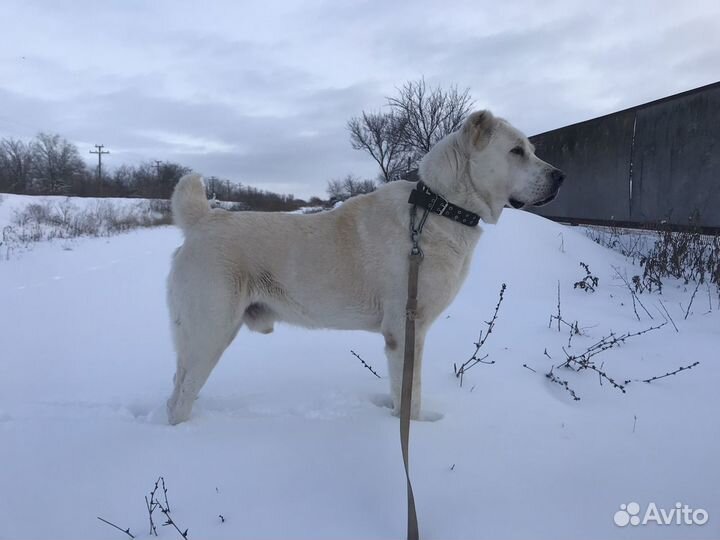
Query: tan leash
[[407, 381], [430, 202], [415, 259]]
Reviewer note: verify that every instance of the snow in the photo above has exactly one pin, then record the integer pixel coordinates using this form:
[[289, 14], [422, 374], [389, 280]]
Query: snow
[[290, 438]]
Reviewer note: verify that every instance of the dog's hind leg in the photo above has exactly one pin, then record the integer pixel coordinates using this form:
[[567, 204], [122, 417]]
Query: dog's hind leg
[[203, 324], [194, 366]]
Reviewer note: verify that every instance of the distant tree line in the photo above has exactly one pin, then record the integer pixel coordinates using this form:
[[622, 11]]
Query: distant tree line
[[253, 198], [51, 165]]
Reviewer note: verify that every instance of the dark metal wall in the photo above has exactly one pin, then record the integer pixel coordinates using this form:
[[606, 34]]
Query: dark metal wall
[[655, 162]]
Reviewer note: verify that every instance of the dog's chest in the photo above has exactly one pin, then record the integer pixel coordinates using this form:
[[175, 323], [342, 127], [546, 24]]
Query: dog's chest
[[442, 274]]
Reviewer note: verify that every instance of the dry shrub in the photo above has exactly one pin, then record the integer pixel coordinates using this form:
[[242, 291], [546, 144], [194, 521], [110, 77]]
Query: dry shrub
[[49, 220]]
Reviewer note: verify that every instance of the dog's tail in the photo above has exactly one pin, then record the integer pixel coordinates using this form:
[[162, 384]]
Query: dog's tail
[[189, 202]]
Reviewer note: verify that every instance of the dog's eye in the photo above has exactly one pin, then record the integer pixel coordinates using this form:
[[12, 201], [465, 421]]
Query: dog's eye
[[518, 150]]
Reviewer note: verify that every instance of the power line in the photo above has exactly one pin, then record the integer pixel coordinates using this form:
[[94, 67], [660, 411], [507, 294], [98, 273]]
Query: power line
[[157, 165]]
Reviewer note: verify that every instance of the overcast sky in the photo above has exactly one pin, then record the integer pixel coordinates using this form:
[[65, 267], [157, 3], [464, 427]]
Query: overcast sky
[[261, 92]]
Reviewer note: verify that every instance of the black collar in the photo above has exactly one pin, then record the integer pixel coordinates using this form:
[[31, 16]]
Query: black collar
[[424, 197]]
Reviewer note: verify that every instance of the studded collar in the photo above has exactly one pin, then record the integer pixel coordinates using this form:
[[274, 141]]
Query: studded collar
[[424, 197]]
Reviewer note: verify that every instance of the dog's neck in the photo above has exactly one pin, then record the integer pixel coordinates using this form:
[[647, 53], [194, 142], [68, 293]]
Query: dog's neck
[[447, 174]]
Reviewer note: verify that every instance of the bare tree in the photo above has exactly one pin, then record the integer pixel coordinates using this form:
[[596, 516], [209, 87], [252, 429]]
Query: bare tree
[[418, 118], [351, 185], [123, 175], [335, 190], [380, 135], [14, 165], [55, 163], [170, 174], [428, 114]]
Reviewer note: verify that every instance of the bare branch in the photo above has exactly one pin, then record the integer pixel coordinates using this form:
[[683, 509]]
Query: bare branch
[[475, 359], [668, 316], [668, 374], [634, 296], [365, 364], [126, 531], [691, 299]]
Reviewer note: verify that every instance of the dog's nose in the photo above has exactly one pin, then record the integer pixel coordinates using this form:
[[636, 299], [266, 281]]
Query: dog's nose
[[558, 176]]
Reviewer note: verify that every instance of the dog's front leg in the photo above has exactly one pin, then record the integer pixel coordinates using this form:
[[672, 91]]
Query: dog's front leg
[[394, 334]]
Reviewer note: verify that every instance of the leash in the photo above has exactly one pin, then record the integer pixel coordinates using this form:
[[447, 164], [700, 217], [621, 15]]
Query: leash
[[431, 202], [415, 258]]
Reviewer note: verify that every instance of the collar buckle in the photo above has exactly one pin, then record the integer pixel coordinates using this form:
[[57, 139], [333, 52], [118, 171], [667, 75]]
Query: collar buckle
[[434, 202]]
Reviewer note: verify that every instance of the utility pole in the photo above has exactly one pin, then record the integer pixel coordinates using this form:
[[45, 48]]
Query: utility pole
[[158, 187], [99, 151]]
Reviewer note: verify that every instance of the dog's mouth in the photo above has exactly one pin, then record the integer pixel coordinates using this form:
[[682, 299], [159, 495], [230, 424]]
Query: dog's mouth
[[515, 203], [519, 204], [546, 200]]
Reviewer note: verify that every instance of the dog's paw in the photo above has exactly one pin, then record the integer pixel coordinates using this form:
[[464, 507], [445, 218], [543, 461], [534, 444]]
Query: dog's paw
[[382, 400], [385, 401], [422, 416], [177, 414], [157, 415], [429, 416]]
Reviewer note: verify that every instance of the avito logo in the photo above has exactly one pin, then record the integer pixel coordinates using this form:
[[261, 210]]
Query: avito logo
[[680, 514]]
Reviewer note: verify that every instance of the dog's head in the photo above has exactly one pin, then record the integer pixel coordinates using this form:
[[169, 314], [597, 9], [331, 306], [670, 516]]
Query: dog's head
[[492, 165]]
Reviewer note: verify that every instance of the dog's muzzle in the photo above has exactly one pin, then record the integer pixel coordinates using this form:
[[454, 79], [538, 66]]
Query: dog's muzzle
[[558, 177]]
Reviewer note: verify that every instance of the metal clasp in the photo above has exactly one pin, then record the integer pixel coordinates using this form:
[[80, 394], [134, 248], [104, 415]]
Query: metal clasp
[[416, 231]]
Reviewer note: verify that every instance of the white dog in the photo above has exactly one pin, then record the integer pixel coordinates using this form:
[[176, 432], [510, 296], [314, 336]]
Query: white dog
[[344, 269]]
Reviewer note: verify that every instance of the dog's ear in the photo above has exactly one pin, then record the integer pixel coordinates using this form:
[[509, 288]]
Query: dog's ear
[[478, 129]]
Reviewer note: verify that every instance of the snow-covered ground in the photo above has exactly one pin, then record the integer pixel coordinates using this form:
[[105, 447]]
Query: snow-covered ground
[[289, 438]]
